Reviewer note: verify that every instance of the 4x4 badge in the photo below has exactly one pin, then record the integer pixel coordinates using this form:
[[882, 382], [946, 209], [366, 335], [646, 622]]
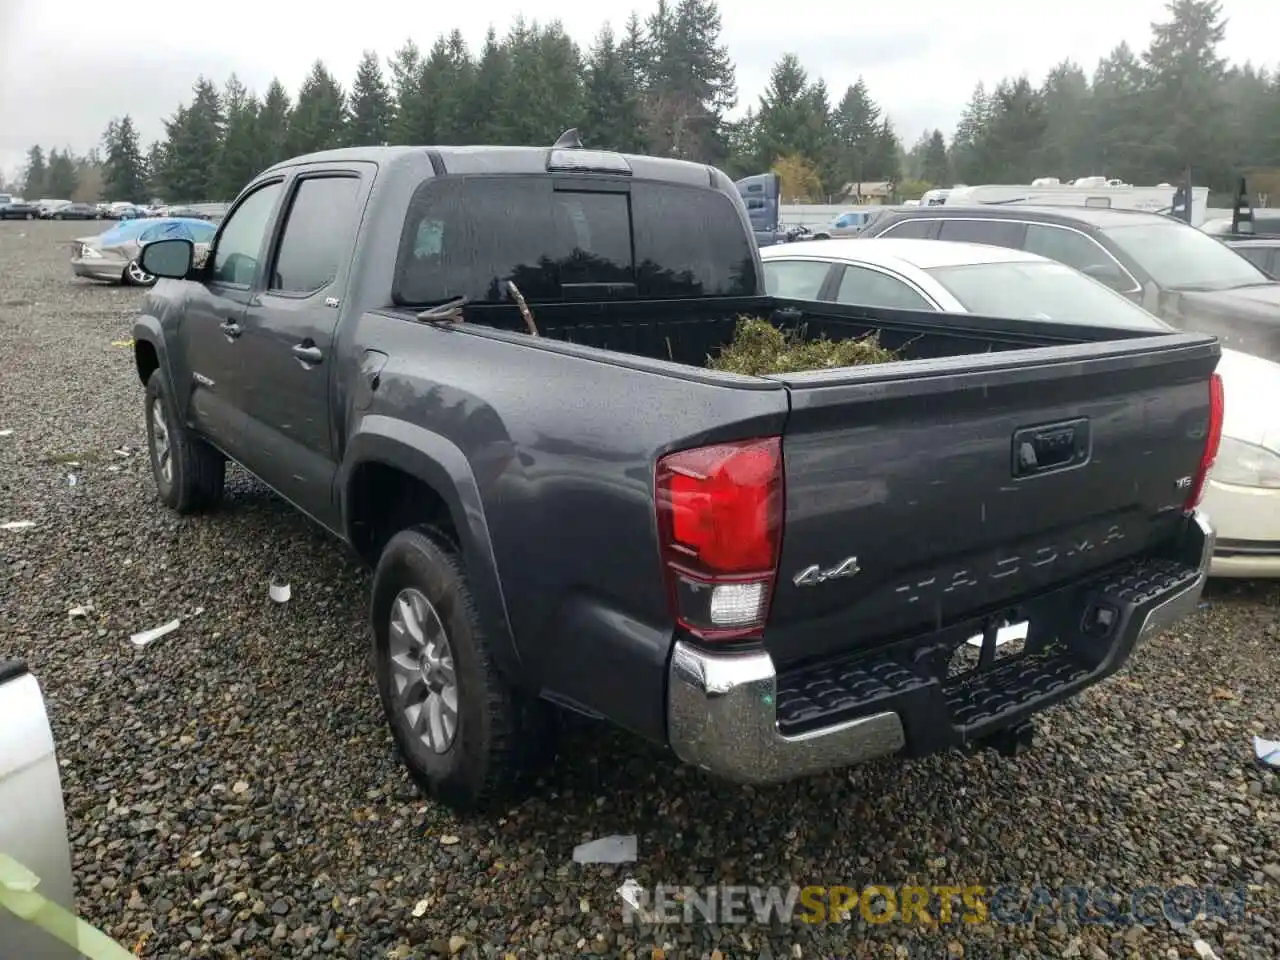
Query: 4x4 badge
[[814, 575]]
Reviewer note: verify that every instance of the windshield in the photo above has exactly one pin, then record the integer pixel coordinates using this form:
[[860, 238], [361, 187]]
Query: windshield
[[1041, 290], [1179, 257]]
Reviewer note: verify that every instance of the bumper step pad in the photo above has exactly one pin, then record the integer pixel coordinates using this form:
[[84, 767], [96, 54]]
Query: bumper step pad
[[1079, 635]]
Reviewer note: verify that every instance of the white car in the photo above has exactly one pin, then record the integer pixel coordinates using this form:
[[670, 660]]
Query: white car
[[1242, 498]]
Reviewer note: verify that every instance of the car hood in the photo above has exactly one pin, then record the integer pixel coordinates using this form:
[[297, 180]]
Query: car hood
[[1251, 394], [1260, 300]]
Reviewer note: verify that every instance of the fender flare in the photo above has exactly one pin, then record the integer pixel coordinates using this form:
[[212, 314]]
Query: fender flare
[[147, 329], [441, 465]]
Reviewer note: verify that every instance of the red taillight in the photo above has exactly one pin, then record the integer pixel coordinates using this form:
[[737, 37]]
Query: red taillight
[[1212, 438], [719, 527]]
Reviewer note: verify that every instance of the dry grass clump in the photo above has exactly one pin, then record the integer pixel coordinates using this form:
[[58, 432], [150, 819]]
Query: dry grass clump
[[759, 348]]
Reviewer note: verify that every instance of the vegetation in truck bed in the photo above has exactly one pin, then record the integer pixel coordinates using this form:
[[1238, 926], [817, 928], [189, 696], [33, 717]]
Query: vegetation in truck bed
[[759, 348]]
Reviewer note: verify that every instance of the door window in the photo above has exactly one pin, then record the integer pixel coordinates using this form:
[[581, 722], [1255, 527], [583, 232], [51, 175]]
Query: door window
[[235, 260], [795, 279], [995, 233], [317, 234], [870, 288], [1074, 249], [911, 229]]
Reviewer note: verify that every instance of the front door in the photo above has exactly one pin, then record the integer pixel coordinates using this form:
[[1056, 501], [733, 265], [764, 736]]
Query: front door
[[212, 333], [289, 333]]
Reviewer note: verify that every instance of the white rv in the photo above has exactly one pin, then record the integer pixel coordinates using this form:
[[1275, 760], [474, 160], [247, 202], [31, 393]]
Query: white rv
[[1085, 192]]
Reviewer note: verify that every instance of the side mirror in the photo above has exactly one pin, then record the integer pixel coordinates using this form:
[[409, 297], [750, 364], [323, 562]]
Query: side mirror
[[172, 258]]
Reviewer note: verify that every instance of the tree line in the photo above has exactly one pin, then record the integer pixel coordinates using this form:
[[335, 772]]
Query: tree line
[[666, 85]]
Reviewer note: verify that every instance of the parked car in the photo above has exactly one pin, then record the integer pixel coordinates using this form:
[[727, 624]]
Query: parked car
[[846, 225], [33, 828], [18, 209], [77, 211], [113, 255], [1175, 271], [48, 207], [1243, 495], [1262, 252], [485, 369]]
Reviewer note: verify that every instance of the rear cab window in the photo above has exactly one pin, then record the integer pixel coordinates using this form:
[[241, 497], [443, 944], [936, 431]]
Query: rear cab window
[[565, 238]]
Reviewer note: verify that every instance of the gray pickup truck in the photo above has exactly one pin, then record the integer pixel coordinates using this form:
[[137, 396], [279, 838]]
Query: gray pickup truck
[[485, 370]]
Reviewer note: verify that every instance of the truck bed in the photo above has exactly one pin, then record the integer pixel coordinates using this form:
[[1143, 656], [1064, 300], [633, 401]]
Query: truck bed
[[689, 331]]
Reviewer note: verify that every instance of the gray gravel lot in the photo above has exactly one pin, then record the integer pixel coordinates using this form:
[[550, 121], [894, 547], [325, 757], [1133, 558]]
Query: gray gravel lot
[[232, 790]]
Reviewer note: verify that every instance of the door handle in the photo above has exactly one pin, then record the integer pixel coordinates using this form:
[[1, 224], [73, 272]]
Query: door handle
[[230, 328], [307, 354]]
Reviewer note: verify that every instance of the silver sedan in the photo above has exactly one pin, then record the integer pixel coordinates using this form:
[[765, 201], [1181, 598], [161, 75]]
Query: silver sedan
[[113, 256]]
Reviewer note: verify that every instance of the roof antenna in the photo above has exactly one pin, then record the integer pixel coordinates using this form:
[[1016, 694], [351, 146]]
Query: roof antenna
[[569, 140]]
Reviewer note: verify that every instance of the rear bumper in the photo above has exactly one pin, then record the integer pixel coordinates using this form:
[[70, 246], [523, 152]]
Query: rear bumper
[[733, 715]]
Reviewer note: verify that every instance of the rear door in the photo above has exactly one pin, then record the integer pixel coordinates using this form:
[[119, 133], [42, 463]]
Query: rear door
[[916, 475], [288, 337]]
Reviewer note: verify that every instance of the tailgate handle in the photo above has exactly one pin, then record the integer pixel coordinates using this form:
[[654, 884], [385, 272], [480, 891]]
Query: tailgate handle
[[1051, 447]]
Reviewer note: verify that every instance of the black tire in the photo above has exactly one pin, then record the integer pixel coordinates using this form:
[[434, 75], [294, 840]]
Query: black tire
[[498, 732], [126, 277], [198, 471]]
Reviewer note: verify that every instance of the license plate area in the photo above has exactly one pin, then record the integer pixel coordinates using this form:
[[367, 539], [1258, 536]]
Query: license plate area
[[1003, 637]]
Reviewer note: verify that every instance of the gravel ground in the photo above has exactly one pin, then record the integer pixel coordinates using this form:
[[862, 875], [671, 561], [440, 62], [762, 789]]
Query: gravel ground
[[232, 791]]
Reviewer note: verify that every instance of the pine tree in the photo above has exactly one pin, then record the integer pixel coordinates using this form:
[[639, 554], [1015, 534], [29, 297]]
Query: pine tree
[[691, 82], [243, 153], [274, 120], [935, 168], [60, 178], [156, 163], [1121, 125], [444, 92], [1066, 149], [1006, 148], [545, 95], [783, 119], [36, 175], [612, 118], [856, 124], [194, 143], [972, 125], [370, 121], [319, 119], [488, 93], [125, 174], [409, 123], [1184, 89]]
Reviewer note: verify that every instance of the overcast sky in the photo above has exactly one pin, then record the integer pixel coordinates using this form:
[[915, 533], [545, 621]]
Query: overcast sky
[[68, 66]]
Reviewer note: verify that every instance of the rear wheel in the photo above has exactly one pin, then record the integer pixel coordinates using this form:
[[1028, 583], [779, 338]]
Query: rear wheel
[[189, 473], [465, 735]]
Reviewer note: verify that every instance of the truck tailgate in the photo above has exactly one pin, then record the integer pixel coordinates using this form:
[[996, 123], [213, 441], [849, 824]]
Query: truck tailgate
[[921, 494]]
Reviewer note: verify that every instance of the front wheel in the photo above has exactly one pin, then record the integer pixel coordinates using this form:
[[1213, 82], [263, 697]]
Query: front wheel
[[465, 735], [135, 276], [189, 473]]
